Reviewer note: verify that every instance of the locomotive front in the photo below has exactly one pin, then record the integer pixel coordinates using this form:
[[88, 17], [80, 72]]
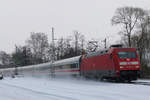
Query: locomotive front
[[127, 63]]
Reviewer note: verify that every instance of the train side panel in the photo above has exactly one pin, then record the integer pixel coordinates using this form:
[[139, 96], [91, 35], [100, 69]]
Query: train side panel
[[67, 67], [40, 70], [98, 66]]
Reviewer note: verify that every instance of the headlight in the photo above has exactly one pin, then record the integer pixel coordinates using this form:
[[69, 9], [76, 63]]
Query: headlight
[[137, 66], [121, 67]]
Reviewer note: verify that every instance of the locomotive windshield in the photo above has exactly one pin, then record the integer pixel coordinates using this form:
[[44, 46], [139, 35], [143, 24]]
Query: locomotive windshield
[[127, 54]]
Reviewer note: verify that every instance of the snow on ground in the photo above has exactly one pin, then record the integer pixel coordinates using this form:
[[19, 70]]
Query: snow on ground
[[143, 80], [69, 89]]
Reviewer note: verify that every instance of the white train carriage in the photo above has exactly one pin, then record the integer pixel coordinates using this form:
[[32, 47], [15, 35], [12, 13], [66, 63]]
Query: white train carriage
[[68, 67], [40, 70], [7, 71]]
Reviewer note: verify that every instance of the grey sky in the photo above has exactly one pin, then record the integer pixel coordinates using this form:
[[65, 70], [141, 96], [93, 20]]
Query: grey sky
[[92, 17]]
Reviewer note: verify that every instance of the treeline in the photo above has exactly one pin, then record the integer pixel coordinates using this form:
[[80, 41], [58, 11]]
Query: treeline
[[38, 49]]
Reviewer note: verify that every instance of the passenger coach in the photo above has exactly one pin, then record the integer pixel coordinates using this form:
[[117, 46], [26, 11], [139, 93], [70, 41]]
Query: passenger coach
[[69, 67]]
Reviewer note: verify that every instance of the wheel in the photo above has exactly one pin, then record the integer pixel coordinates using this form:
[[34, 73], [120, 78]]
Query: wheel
[[1, 77], [102, 78]]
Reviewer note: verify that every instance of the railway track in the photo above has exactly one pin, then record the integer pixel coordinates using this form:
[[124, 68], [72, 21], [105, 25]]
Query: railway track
[[134, 83], [141, 83]]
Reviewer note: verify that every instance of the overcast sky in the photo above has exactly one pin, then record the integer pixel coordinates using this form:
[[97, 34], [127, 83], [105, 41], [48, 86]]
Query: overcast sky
[[92, 17]]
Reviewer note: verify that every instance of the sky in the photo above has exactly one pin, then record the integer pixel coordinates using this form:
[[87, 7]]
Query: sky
[[18, 18]]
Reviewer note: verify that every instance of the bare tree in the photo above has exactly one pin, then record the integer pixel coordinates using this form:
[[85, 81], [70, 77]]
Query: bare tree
[[38, 43], [60, 46], [128, 17], [141, 41], [5, 59], [64, 48], [70, 46], [22, 56], [79, 41]]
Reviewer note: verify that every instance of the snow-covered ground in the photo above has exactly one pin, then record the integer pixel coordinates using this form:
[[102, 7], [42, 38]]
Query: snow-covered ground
[[70, 89]]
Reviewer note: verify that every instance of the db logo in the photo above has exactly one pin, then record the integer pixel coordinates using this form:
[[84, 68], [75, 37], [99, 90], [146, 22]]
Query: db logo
[[128, 59]]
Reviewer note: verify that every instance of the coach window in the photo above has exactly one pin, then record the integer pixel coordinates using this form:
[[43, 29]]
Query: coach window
[[74, 65], [59, 67], [66, 67]]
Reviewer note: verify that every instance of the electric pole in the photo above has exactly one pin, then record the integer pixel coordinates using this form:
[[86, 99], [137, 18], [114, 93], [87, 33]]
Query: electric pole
[[105, 43], [53, 54], [16, 63], [76, 41], [53, 46]]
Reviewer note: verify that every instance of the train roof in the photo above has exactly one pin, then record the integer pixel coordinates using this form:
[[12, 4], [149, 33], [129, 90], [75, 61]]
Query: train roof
[[67, 61], [112, 47], [100, 52], [37, 65]]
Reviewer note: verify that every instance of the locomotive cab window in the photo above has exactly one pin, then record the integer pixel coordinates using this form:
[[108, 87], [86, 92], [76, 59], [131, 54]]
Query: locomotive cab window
[[127, 54]]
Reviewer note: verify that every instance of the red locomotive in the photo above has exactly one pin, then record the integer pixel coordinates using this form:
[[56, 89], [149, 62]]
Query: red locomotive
[[115, 63]]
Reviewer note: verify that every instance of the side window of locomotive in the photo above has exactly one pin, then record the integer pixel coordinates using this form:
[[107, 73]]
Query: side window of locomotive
[[111, 56], [74, 65]]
